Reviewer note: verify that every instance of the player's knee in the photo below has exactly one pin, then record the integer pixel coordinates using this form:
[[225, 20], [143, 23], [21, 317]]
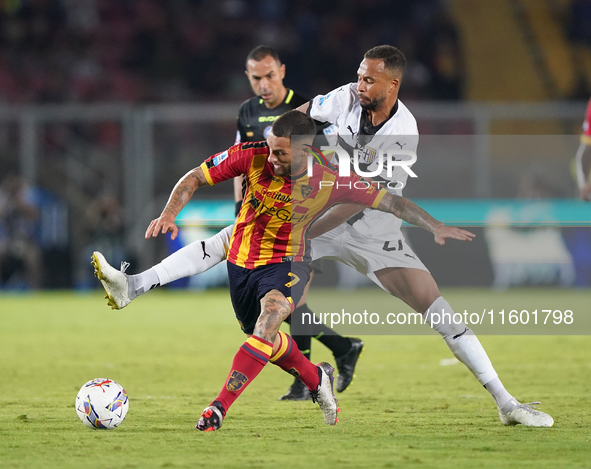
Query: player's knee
[[274, 302], [274, 309]]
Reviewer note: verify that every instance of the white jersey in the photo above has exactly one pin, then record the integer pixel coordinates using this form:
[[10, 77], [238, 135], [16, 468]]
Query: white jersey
[[398, 133]]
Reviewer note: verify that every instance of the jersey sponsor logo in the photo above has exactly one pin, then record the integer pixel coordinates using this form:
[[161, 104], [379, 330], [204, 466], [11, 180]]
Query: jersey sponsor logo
[[236, 381], [268, 118], [219, 158], [275, 195], [279, 196], [282, 213]]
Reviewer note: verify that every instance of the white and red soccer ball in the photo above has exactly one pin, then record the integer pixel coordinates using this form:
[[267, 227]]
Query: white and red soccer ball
[[102, 403]]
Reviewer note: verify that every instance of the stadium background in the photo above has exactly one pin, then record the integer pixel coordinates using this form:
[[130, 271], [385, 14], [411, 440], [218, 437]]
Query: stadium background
[[104, 104]]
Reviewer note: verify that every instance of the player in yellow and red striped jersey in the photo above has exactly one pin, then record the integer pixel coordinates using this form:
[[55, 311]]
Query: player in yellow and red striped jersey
[[268, 264], [265, 73], [271, 223]]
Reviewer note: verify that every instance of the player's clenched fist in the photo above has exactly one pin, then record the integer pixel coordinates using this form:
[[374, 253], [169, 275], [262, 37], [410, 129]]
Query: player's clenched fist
[[162, 224]]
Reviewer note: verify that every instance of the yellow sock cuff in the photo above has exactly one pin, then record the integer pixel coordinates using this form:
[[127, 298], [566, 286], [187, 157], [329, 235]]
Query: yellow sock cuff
[[259, 346], [284, 341]]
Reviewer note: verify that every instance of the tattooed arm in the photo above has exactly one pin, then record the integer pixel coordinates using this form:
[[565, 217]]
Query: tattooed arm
[[336, 216], [410, 212], [181, 194]]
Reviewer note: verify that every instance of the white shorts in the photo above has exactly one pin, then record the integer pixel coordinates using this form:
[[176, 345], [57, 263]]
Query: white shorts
[[365, 255]]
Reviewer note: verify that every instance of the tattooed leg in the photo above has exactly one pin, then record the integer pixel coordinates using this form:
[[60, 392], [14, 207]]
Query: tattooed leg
[[274, 309]]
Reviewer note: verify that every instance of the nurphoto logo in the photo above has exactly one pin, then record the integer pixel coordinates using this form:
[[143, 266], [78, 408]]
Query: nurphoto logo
[[387, 160]]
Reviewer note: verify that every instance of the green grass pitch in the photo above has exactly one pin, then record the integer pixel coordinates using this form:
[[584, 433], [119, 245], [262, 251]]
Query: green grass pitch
[[172, 351]]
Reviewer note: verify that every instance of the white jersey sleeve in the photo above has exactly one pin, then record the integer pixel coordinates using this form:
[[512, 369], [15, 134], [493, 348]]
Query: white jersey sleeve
[[329, 107]]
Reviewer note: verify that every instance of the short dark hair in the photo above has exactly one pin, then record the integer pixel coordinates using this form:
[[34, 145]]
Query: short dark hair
[[260, 52], [293, 123], [393, 58]]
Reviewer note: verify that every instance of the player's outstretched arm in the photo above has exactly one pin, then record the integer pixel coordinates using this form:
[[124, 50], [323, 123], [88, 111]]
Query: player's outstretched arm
[[334, 217], [181, 194], [415, 215]]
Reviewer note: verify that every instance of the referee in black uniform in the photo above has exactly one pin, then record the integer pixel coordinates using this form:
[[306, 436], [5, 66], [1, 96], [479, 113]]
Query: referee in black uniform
[[265, 73]]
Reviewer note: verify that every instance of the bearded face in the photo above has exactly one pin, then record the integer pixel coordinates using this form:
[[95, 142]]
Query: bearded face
[[373, 103]]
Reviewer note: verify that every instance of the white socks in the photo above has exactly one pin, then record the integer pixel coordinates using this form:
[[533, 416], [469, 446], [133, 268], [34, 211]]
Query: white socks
[[192, 259], [500, 395], [466, 348]]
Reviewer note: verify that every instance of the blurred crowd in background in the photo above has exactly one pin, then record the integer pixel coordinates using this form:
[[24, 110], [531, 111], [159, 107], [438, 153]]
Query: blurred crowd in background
[[182, 50]]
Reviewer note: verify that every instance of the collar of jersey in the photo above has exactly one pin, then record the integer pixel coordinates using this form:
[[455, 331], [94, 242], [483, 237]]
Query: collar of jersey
[[375, 128], [297, 176], [287, 99]]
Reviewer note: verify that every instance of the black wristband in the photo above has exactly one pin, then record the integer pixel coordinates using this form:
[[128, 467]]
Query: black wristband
[[237, 209]]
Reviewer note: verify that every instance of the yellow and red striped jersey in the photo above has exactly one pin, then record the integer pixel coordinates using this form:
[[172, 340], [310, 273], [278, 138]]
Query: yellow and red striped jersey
[[277, 211]]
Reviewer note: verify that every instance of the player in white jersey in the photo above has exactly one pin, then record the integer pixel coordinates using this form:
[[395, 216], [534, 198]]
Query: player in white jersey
[[397, 134], [361, 112]]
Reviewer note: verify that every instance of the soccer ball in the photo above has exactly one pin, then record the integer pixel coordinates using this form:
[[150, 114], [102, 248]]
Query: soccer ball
[[102, 403]]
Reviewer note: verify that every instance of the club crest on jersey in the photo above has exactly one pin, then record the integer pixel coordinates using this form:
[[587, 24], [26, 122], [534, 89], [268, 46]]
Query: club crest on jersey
[[306, 190], [236, 381], [266, 131], [367, 154]]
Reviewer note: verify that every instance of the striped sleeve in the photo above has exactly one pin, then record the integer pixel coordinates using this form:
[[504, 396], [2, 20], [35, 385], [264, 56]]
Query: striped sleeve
[[227, 164]]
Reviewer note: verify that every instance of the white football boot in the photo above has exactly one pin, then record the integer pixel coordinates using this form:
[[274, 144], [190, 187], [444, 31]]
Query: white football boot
[[515, 413], [324, 395], [115, 282]]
